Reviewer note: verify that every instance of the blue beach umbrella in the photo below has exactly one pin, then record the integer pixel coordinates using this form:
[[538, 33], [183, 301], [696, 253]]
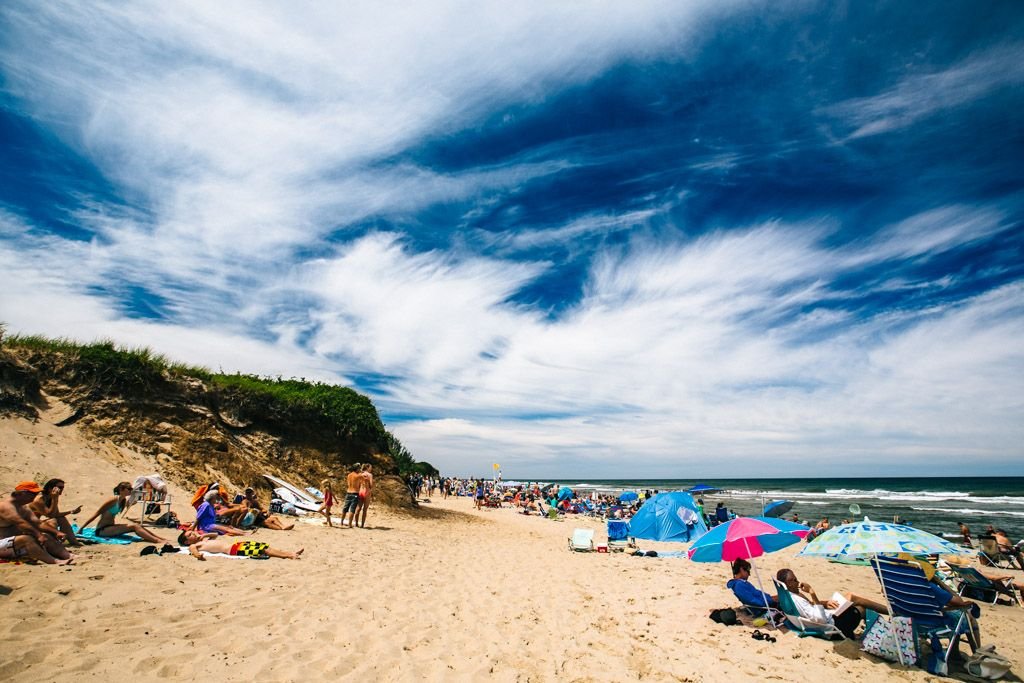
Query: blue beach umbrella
[[702, 488], [777, 508], [628, 496], [564, 493], [668, 517]]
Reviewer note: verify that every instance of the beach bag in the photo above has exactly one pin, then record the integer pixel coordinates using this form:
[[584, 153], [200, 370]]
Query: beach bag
[[878, 639], [986, 663], [726, 616]]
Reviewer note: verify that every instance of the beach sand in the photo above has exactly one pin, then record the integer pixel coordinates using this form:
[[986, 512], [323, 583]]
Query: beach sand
[[453, 595]]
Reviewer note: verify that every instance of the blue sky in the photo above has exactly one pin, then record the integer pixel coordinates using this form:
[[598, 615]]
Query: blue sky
[[623, 239]]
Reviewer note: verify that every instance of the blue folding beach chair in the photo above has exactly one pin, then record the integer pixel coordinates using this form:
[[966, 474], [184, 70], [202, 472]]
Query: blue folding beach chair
[[803, 627], [909, 594], [979, 584], [618, 532]]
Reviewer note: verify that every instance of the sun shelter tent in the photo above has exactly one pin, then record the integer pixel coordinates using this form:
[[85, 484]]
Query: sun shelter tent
[[668, 517]]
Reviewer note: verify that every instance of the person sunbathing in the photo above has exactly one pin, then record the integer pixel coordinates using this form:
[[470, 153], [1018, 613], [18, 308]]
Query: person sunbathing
[[827, 612], [54, 522], [21, 537], [198, 543], [206, 518], [109, 527], [1007, 548], [260, 517], [745, 591]]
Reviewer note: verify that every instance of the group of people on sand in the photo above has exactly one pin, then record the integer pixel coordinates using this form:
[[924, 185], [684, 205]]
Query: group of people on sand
[[34, 527], [846, 616], [358, 492]]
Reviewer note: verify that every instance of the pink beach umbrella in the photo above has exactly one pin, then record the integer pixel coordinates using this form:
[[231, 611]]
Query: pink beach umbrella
[[746, 538]]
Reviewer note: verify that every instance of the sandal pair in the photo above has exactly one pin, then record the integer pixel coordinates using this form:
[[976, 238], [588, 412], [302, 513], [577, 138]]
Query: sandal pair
[[757, 635]]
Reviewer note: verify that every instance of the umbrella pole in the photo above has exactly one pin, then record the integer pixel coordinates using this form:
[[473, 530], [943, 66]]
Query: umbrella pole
[[895, 638], [767, 607]]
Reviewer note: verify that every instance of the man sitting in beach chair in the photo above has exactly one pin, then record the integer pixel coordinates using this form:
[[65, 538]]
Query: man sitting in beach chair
[[756, 601], [845, 615], [983, 586], [198, 543]]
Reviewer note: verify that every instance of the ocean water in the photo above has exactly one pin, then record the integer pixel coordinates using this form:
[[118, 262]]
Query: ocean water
[[933, 504]]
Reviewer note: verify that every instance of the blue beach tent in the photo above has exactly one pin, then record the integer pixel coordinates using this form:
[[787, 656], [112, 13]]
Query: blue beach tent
[[668, 517]]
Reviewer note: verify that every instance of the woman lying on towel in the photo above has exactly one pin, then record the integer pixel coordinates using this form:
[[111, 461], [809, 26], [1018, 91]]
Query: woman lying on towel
[[211, 543], [828, 612], [108, 526]]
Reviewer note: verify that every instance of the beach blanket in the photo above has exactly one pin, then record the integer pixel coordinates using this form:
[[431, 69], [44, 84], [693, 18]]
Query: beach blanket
[[90, 535]]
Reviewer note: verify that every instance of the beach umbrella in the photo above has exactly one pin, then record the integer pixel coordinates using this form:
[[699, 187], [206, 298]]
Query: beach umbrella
[[702, 488], [747, 538], [628, 496], [564, 493], [777, 508], [867, 539], [669, 516]]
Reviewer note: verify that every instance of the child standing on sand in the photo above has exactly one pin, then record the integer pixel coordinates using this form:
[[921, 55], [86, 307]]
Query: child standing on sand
[[328, 501]]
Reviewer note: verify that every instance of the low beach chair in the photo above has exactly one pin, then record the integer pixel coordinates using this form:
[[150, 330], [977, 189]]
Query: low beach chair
[[618, 533], [969, 577], [803, 627], [909, 594], [991, 555], [582, 540]]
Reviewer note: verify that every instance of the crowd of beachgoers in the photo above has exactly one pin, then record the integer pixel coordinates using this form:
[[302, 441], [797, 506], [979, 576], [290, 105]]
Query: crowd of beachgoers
[[34, 527]]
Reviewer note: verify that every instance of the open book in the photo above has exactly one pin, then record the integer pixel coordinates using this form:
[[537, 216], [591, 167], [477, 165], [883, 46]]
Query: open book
[[843, 603]]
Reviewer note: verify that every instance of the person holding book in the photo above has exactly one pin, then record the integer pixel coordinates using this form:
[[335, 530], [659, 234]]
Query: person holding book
[[843, 610]]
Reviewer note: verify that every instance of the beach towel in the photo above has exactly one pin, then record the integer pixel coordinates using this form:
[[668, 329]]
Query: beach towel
[[184, 551], [90, 535]]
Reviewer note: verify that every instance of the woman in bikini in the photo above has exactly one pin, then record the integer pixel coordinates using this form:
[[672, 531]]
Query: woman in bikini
[[365, 492], [259, 515], [53, 521], [108, 527]]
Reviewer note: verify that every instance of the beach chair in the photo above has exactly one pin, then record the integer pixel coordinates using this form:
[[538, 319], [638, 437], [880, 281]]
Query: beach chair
[[582, 540], [153, 503], [971, 578], [909, 595], [618, 532], [553, 513], [803, 627], [991, 555]]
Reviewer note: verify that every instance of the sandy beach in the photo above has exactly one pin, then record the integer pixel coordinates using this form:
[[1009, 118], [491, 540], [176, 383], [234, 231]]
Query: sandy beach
[[450, 594]]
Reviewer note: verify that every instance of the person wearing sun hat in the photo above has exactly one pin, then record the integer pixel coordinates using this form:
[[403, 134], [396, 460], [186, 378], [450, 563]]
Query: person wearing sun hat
[[20, 533]]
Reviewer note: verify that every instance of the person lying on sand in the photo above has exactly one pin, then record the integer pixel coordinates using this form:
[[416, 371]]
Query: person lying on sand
[[108, 526], [21, 537], [823, 612], [54, 522], [199, 543]]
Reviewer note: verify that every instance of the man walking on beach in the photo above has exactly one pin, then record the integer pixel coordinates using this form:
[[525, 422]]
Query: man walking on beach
[[20, 533], [348, 511]]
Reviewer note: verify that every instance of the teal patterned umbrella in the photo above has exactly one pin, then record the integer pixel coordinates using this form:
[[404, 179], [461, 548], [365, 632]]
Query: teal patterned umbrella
[[867, 538]]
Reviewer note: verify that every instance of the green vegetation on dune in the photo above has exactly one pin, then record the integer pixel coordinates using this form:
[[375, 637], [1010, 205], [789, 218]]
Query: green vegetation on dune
[[135, 373]]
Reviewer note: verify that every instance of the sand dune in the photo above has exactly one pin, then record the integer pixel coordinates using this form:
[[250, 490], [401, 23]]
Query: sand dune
[[458, 595]]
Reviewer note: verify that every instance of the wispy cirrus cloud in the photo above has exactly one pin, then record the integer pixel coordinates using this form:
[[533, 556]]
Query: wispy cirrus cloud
[[540, 236]]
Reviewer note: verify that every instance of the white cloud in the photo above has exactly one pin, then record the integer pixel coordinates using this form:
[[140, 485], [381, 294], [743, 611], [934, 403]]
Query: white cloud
[[925, 94]]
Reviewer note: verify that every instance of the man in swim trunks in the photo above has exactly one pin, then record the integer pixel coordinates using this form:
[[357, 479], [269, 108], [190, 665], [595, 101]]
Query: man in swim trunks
[[212, 543], [352, 483], [20, 533]]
